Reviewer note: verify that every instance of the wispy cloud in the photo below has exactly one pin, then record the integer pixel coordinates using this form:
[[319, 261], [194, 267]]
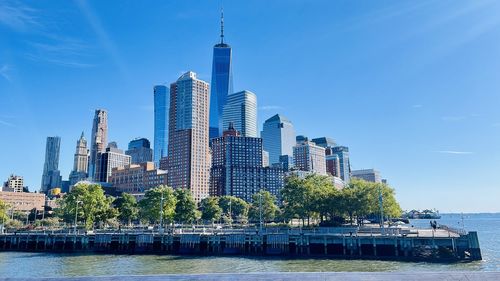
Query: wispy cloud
[[18, 16], [270, 107], [44, 45], [455, 152], [101, 33], [5, 123], [62, 62], [417, 106], [4, 72]]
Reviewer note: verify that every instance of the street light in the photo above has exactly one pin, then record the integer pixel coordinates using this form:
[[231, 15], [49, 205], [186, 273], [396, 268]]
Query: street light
[[161, 213], [381, 205], [230, 214], [76, 215], [260, 211]]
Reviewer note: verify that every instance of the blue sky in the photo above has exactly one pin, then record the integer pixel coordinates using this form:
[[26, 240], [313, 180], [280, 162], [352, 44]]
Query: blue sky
[[412, 87]]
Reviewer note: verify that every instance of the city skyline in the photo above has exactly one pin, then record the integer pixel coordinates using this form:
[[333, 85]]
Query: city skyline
[[428, 136]]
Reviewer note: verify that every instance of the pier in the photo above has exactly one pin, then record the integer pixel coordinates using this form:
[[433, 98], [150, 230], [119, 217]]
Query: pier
[[343, 242]]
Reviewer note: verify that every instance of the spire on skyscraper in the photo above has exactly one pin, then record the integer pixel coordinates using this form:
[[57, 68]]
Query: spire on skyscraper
[[222, 26]]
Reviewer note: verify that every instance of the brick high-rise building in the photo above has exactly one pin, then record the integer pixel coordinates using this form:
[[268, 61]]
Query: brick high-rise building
[[237, 167], [188, 149], [309, 157]]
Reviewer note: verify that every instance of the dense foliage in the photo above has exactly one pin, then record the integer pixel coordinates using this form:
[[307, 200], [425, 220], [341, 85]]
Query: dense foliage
[[315, 197], [312, 199]]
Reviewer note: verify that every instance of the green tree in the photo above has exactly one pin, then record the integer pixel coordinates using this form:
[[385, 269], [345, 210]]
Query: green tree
[[234, 207], [150, 205], [210, 209], [127, 208], [3, 212], [361, 198], [185, 209], [293, 194], [90, 202], [264, 202]]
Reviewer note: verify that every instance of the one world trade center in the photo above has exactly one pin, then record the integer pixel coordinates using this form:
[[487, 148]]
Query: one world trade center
[[221, 85]]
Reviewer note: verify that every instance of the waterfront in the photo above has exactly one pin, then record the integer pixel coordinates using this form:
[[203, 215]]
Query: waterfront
[[20, 264]]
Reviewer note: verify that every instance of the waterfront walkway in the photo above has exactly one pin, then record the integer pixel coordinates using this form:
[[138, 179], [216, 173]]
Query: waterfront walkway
[[300, 276]]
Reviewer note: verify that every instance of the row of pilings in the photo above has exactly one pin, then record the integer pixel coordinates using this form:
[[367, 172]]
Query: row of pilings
[[464, 247]]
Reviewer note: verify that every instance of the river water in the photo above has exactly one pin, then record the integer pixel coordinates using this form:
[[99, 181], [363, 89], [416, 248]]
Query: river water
[[19, 264]]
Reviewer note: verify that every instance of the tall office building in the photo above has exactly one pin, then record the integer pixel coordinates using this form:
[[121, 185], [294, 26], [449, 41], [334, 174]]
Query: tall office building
[[278, 136], [344, 164], [237, 167], [99, 139], [106, 161], [371, 175], [332, 164], [324, 142], [241, 111], [222, 83], [309, 157], [80, 162], [161, 105], [188, 149], [140, 151], [51, 176]]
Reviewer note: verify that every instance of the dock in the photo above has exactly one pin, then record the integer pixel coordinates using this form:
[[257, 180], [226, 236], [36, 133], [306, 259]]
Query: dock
[[343, 242]]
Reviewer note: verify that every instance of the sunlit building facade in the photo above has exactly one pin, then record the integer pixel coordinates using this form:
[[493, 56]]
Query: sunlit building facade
[[241, 111]]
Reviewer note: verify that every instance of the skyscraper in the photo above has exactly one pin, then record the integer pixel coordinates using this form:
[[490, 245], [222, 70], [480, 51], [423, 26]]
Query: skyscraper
[[241, 111], [343, 154], [237, 167], [278, 137], [161, 105], [309, 157], [188, 149], [51, 176], [99, 138], [106, 161], [80, 163], [222, 83], [140, 151], [367, 175]]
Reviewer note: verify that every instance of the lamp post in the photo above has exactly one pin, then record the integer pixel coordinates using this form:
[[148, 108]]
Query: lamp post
[[260, 211], [76, 215], [230, 214], [381, 205], [161, 213]]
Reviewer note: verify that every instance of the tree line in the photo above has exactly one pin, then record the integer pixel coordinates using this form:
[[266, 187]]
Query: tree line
[[309, 200]]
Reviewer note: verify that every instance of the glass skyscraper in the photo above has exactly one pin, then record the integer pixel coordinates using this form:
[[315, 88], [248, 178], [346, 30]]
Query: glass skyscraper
[[343, 154], [278, 137], [241, 111], [161, 104], [139, 150], [222, 84]]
